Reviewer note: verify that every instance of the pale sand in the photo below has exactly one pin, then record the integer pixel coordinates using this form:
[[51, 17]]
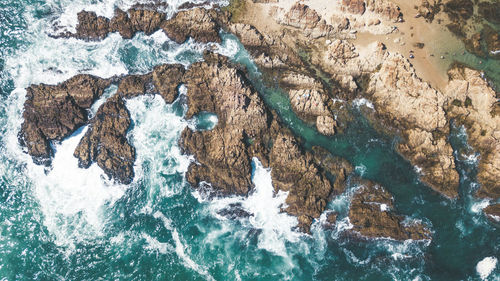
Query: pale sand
[[436, 37]]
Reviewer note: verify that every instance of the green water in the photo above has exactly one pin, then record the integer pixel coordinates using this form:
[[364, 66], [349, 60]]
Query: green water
[[72, 224]]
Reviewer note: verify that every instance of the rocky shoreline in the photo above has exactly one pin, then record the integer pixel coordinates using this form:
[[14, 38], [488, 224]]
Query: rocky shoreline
[[313, 62]]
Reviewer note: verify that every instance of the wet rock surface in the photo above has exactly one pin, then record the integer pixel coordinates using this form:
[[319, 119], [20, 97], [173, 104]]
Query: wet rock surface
[[53, 112], [474, 104], [105, 142], [493, 212], [246, 129], [372, 214], [199, 23], [406, 102]]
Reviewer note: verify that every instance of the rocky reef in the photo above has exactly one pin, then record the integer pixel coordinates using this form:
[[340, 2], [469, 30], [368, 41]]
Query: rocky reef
[[55, 112], [308, 56], [372, 215]]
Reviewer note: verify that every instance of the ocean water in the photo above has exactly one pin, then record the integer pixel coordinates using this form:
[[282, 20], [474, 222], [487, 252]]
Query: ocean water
[[67, 223]]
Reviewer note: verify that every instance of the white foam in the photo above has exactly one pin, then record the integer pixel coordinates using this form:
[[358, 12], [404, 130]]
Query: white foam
[[486, 266], [72, 199], [360, 169], [362, 101], [477, 207], [157, 128], [265, 205]]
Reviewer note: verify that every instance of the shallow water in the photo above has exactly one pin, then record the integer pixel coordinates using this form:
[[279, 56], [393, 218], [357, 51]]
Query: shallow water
[[72, 224]]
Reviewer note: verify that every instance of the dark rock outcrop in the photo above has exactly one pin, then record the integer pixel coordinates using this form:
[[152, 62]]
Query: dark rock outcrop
[[53, 112], [105, 142], [355, 6], [92, 27], [247, 129], [493, 212], [371, 213], [199, 24]]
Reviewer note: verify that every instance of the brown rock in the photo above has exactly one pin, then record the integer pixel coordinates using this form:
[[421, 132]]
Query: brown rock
[[134, 85], [121, 23], [105, 142], [493, 212], [55, 112], [473, 103], [302, 17], [336, 167], [246, 129], [221, 154], [387, 9], [199, 24], [355, 6], [92, 27], [371, 213], [166, 79], [411, 105], [145, 20]]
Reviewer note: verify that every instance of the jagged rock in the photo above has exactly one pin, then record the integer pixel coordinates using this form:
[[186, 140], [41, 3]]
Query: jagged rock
[[53, 112], [221, 153], [474, 104], [105, 142], [411, 105], [493, 212], [372, 215], [331, 218], [121, 23], [92, 27], [199, 24], [355, 6], [302, 17], [337, 167], [326, 125], [145, 20], [166, 78], [246, 129], [295, 171], [134, 85], [387, 9]]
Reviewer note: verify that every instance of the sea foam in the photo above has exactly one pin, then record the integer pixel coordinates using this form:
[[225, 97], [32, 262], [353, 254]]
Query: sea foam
[[486, 266]]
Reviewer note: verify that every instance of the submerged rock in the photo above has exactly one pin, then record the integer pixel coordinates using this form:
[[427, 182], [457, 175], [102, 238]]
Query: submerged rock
[[372, 215]]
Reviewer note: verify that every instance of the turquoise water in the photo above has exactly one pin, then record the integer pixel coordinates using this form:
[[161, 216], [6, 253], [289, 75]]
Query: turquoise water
[[71, 224]]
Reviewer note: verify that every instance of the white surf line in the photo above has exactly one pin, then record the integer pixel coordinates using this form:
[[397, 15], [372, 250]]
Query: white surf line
[[180, 249]]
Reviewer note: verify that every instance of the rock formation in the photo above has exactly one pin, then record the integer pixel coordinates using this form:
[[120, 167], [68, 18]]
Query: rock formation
[[410, 104], [372, 215], [53, 112], [475, 105], [105, 142], [199, 23], [493, 212], [246, 129]]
